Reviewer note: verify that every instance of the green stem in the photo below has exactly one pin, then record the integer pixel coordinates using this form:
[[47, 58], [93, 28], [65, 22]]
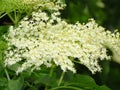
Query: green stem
[[28, 84], [61, 78], [50, 74], [66, 87], [3, 15], [52, 70], [12, 19], [46, 88], [15, 17], [8, 77], [75, 61]]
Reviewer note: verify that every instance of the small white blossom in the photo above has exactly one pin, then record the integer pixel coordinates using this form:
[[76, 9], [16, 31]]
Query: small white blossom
[[46, 39]]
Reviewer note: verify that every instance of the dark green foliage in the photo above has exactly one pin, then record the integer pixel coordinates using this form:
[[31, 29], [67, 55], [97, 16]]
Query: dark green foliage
[[39, 80], [3, 43], [112, 12], [105, 12], [82, 10], [113, 78]]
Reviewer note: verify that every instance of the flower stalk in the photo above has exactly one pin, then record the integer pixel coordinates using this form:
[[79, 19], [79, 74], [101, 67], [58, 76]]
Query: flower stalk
[[61, 78], [7, 75]]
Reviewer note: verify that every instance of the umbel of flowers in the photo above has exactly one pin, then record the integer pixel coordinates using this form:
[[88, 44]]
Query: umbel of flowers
[[46, 39]]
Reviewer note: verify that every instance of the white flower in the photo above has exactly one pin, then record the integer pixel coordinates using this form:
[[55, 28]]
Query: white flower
[[46, 39]]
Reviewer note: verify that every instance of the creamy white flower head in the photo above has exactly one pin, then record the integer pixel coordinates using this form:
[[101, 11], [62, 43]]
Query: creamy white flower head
[[46, 40], [45, 4]]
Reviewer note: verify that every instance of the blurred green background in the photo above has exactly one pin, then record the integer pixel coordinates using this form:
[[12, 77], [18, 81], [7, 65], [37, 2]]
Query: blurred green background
[[105, 12]]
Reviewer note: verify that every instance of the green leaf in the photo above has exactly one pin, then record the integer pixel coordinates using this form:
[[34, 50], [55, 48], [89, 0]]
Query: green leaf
[[3, 45], [3, 30], [44, 78], [26, 74], [3, 82], [66, 88], [14, 67], [103, 88], [85, 82], [15, 84]]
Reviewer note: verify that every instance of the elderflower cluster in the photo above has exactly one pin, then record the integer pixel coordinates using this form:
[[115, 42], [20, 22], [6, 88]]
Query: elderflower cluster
[[46, 4], [45, 39]]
